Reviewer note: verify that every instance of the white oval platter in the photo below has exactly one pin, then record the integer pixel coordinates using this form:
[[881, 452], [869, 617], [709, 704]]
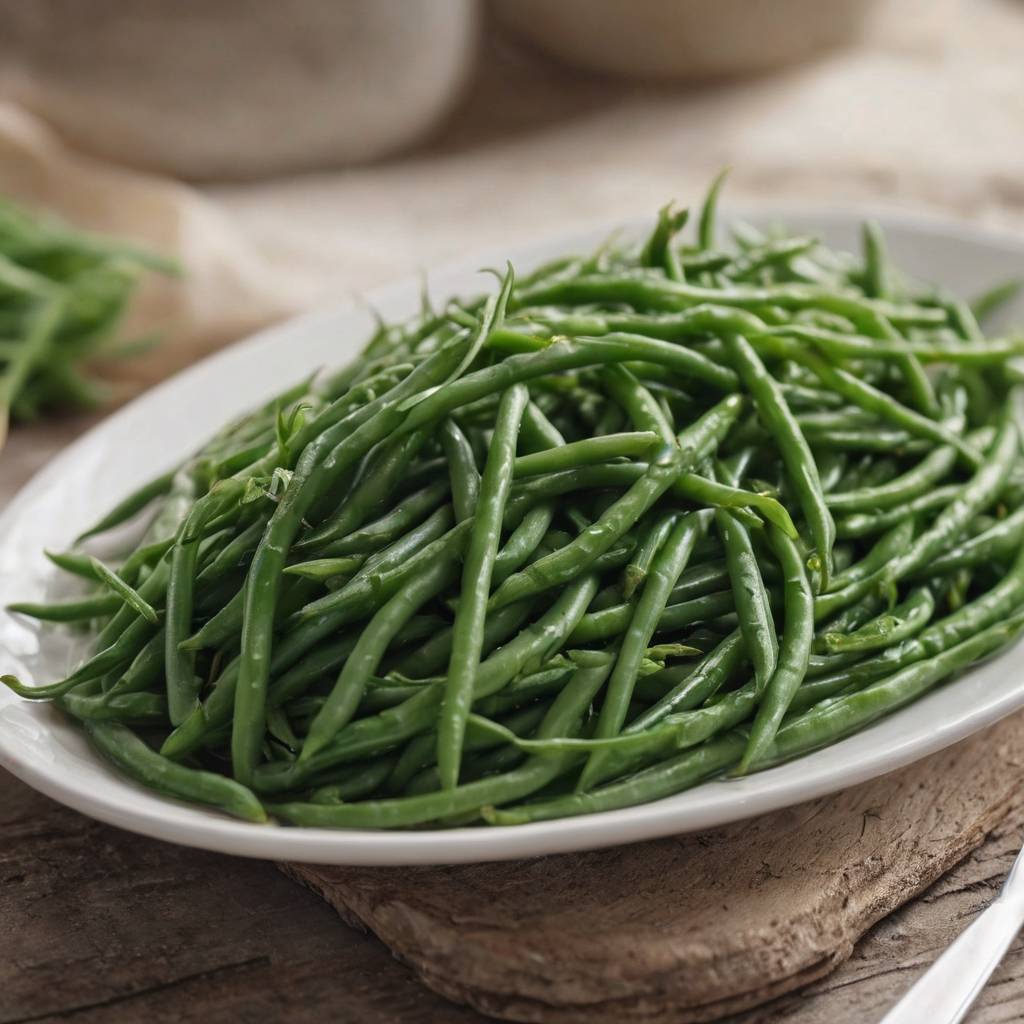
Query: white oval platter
[[39, 746]]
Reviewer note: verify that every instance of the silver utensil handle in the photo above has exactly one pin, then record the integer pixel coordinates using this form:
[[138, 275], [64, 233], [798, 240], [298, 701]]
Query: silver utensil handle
[[948, 988]]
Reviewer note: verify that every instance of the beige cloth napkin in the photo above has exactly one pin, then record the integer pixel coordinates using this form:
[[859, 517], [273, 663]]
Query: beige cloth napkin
[[927, 111], [228, 289]]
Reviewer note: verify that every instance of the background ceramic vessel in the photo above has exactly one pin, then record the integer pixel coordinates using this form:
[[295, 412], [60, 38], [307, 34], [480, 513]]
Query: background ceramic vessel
[[237, 88], [683, 39]]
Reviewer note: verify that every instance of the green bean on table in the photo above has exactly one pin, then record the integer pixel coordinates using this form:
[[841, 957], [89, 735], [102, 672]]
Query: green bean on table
[[471, 578]]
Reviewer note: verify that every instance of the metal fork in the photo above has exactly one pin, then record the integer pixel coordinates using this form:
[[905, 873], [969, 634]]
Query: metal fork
[[947, 990]]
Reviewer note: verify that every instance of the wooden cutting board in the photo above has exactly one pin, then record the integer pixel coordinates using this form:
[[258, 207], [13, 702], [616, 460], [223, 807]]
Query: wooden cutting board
[[689, 928]]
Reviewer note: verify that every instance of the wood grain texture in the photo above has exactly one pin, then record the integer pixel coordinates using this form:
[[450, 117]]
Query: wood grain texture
[[690, 928], [99, 925]]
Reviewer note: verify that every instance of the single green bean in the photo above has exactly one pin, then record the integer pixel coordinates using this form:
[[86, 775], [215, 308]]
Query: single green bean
[[654, 538], [129, 506], [794, 650], [903, 621], [121, 746], [468, 630], [793, 449], [465, 477], [586, 452]]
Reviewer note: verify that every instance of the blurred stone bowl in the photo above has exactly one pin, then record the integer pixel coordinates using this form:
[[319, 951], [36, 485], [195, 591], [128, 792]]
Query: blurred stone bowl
[[683, 39], [237, 88]]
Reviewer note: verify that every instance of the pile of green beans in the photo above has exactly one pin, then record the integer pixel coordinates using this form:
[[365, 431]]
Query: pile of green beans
[[63, 294], [640, 518]]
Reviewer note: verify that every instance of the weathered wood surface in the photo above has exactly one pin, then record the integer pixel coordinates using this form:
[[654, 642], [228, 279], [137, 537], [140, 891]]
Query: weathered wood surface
[[102, 927], [689, 928], [99, 926]]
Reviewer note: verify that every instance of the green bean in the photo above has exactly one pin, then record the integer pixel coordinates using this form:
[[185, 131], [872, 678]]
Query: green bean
[[359, 597], [697, 321], [793, 449], [910, 485], [384, 469], [137, 708], [878, 284], [637, 402], [121, 746], [421, 751], [79, 610], [984, 305], [323, 569], [360, 781], [468, 630], [877, 273], [367, 653], [127, 593], [586, 452], [74, 563], [465, 478], [537, 432], [526, 689], [654, 538], [668, 565], [762, 257], [708, 578], [658, 250], [707, 227], [383, 638], [855, 346], [145, 671], [804, 396], [232, 554], [392, 525], [605, 624], [397, 562], [646, 292], [867, 524], [709, 492], [669, 777], [794, 650], [689, 486], [714, 670], [492, 315], [757, 626], [524, 540], [999, 541], [557, 356], [171, 512], [903, 621], [129, 506], [182, 683], [663, 470], [220, 629], [118, 654]]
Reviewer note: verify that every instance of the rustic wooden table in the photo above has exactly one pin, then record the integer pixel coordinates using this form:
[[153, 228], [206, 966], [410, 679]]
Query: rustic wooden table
[[101, 926]]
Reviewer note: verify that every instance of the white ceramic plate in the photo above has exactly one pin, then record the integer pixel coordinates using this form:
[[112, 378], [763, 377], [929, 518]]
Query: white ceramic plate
[[154, 432]]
